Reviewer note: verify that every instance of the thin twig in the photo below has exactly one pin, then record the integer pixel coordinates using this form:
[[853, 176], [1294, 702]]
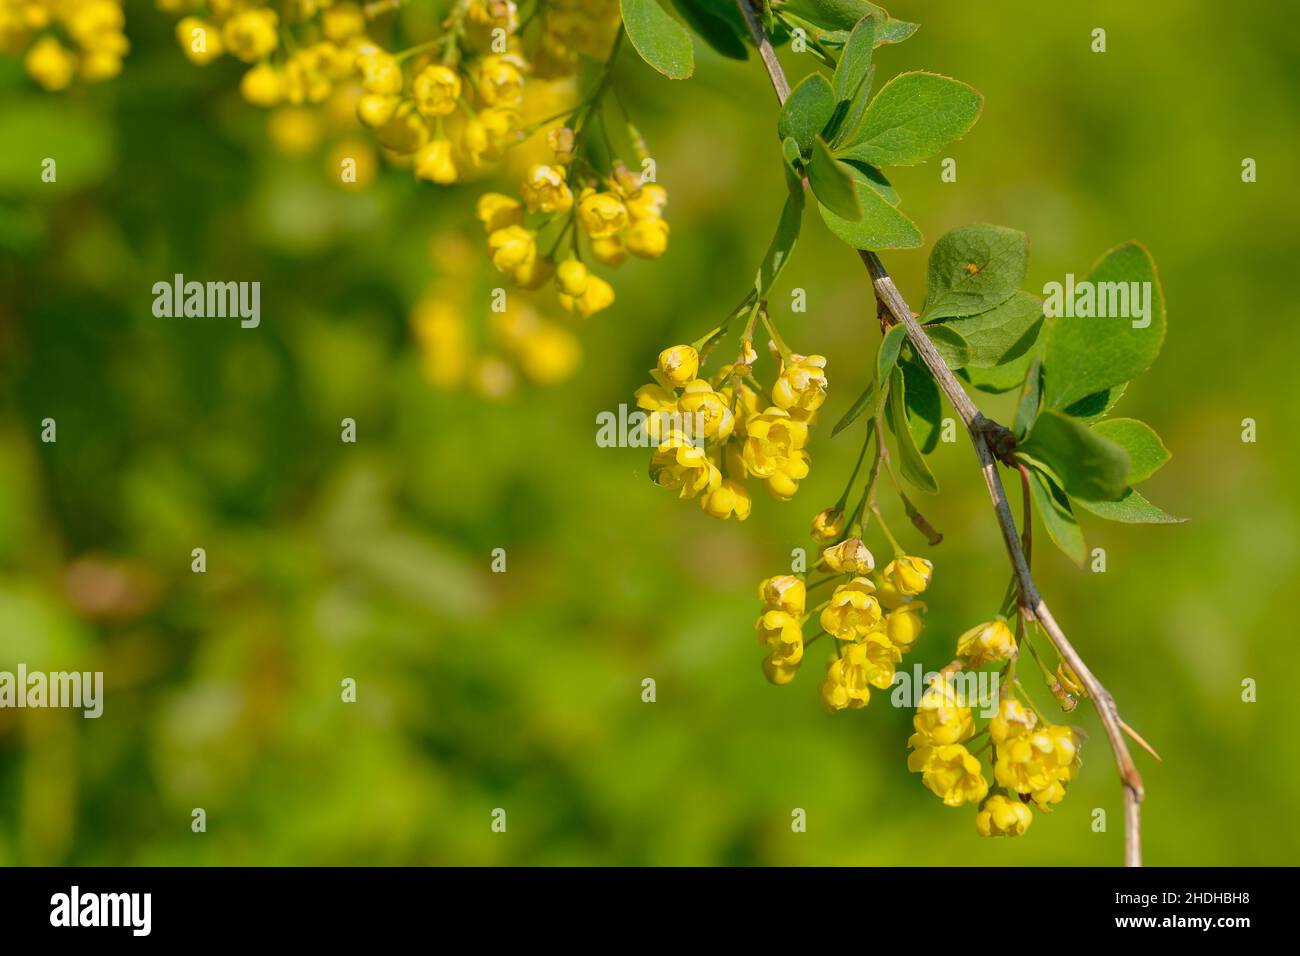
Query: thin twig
[[987, 435]]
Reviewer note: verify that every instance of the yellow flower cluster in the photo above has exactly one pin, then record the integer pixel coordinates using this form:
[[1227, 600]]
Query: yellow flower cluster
[[65, 40], [572, 29], [520, 343], [1033, 761], [873, 622], [618, 216], [712, 434]]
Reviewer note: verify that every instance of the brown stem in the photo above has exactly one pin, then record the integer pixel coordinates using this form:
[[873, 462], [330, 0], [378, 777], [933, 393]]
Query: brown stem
[[993, 443]]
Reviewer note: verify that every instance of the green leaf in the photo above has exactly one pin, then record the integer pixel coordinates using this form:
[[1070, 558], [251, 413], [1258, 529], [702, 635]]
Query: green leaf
[[924, 411], [807, 110], [910, 460], [831, 14], [662, 41], [876, 180], [832, 183], [856, 410], [782, 245], [912, 117], [973, 269], [895, 31], [1031, 397], [723, 32], [1089, 465], [880, 227], [1146, 452], [1002, 333], [1094, 406], [1088, 354], [852, 79], [1004, 378], [1131, 508], [1058, 518], [887, 356], [951, 346]]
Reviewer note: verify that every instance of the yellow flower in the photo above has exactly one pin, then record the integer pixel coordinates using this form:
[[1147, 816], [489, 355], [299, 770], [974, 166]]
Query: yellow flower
[[500, 82], [597, 296], [489, 134], [778, 674], [561, 142], [405, 133], [774, 451], [252, 34], [707, 408], [534, 273], [550, 354], [51, 64], [987, 642], [909, 575], [1038, 763], [262, 85], [679, 364], [940, 717], [602, 214], [544, 190], [200, 41], [433, 162], [609, 251], [374, 109], [853, 611], [342, 21], [781, 634], [496, 211], [512, 247], [1068, 679], [904, 624], [784, 592], [889, 596], [849, 557], [571, 277], [801, 384], [1001, 816], [649, 203], [647, 238], [731, 498], [436, 89], [828, 525], [1011, 720], [951, 773], [678, 464], [849, 679], [380, 72]]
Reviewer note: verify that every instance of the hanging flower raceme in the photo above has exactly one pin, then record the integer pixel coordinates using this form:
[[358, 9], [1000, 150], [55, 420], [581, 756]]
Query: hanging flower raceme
[[63, 42]]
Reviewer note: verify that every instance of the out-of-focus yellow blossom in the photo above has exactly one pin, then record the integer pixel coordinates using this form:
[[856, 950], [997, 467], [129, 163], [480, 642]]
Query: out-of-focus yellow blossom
[[853, 611], [500, 79], [497, 211], [434, 162], [828, 525], [602, 214], [909, 575], [849, 557], [343, 21], [951, 773], [571, 277], [252, 34], [512, 247], [647, 238], [51, 64], [987, 642], [562, 142], [609, 251], [1000, 816], [200, 41]]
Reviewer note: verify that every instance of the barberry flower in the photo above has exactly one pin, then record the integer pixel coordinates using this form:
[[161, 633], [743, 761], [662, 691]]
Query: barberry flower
[[774, 451], [544, 190], [497, 211], [252, 34], [512, 247], [801, 384], [853, 611], [987, 642], [434, 162], [783, 592], [436, 89], [730, 499], [941, 718], [781, 634], [680, 465], [828, 525], [909, 575], [951, 773], [904, 624], [1000, 816], [602, 214], [679, 364], [849, 557]]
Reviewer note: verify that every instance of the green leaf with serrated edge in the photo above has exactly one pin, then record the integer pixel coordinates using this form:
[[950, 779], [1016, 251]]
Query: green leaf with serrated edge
[[910, 460], [852, 78], [924, 410], [1146, 452], [973, 269], [830, 14], [783, 240], [881, 226], [1130, 508], [856, 410], [720, 32], [1053, 508], [848, 114], [660, 40], [950, 345], [1090, 466], [1031, 397], [806, 112], [1002, 333], [833, 183], [1088, 353], [913, 117], [895, 31], [1095, 406]]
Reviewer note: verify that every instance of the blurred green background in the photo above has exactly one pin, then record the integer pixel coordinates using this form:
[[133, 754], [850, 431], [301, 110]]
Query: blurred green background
[[523, 690]]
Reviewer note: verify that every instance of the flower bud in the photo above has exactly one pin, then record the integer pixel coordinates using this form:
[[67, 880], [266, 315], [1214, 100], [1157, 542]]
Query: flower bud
[[909, 575], [679, 364], [849, 557], [987, 642], [1000, 815], [828, 525]]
